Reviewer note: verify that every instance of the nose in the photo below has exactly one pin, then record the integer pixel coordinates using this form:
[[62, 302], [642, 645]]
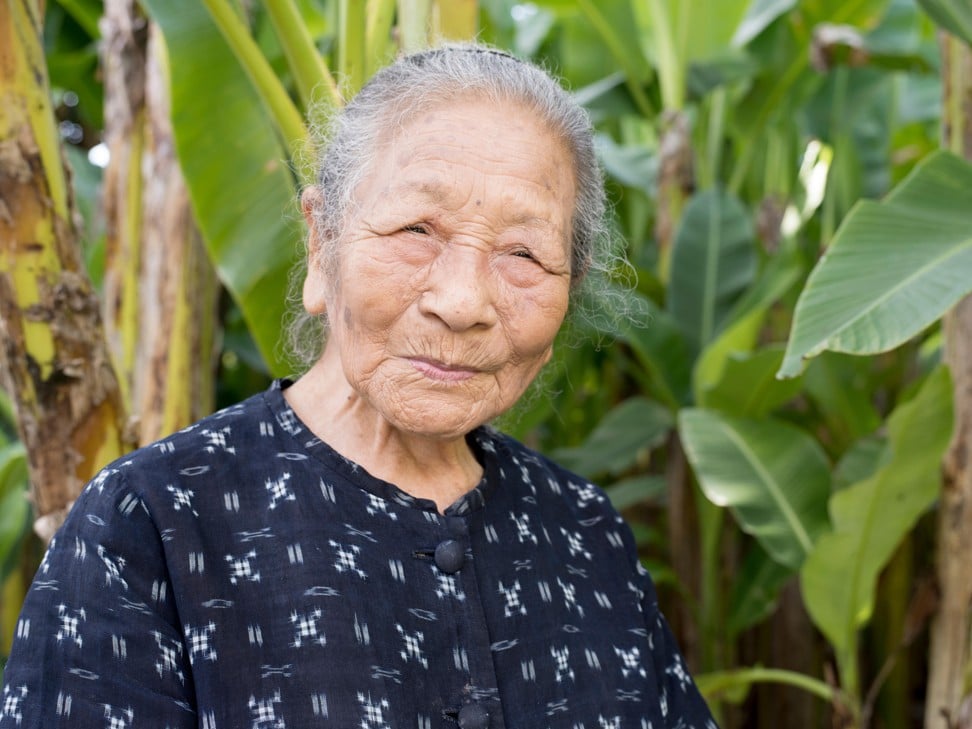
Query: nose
[[458, 289]]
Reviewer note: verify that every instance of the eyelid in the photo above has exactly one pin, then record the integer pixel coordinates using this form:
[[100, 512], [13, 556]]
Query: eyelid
[[417, 228]]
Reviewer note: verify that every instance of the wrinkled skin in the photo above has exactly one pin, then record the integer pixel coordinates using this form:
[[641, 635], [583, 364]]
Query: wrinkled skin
[[452, 282]]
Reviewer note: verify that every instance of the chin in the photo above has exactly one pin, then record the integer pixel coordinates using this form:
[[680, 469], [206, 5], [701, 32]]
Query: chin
[[441, 423]]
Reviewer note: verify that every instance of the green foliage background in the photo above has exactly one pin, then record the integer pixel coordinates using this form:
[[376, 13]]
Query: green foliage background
[[778, 185]]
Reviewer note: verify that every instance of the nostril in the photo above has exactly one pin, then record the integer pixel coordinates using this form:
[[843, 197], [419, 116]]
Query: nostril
[[458, 305]]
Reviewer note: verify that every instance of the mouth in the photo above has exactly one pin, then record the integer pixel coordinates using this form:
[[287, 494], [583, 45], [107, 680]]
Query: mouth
[[441, 371]]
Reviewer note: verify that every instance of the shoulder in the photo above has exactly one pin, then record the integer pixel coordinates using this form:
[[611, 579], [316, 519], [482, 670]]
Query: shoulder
[[219, 445], [551, 481], [567, 508], [225, 434], [182, 472]]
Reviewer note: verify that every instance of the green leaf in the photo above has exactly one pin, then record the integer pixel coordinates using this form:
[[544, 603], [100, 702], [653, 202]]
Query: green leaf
[[242, 190], [893, 269], [532, 26], [871, 518], [842, 389], [955, 16], [632, 165], [860, 461], [755, 590], [787, 78], [8, 419], [904, 29], [758, 17], [749, 387], [745, 321], [773, 477], [713, 262], [636, 490], [613, 446], [15, 513], [697, 38], [85, 13], [651, 333]]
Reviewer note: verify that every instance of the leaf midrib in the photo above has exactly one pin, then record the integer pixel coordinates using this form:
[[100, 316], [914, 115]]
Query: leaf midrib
[[775, 491], [894, 290]]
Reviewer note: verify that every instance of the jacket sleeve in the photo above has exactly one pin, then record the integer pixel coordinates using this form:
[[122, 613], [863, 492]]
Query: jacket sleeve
[[98, 642], [682, 706]]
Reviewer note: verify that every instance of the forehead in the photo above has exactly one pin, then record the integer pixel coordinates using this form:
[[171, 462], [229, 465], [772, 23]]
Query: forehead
[[473, 142]]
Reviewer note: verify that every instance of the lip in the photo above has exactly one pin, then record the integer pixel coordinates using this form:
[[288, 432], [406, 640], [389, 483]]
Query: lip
[[442, 372]]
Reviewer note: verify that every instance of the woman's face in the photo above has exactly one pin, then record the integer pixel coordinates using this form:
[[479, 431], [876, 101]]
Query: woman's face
[[454, 267]]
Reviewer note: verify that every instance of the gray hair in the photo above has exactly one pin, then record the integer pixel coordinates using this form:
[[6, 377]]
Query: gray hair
[[354, 136]]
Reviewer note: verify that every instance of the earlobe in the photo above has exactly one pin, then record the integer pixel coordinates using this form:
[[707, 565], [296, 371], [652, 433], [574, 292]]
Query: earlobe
[[314, 292]]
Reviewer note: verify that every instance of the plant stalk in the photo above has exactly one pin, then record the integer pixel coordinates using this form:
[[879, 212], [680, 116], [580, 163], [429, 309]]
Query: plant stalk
[[621, 56], [314, 80], [290, 124]]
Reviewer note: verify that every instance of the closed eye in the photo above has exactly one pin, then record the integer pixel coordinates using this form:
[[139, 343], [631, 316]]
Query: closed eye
[[417, 228], [524, 254]]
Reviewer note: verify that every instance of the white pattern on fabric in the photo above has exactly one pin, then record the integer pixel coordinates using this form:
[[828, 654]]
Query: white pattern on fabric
[[263, 712], [12, 699], [240, 574], [373, 712]]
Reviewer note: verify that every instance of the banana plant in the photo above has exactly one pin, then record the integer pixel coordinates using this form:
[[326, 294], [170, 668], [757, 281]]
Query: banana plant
[[773, 135]]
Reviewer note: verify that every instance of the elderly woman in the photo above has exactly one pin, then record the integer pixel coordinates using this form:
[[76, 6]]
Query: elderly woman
[[359, 548]]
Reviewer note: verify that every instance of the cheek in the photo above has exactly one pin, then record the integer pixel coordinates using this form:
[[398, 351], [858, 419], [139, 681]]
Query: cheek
[[374, 295], [533, 323]]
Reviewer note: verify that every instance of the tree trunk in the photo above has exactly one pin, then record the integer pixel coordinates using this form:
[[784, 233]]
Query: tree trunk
[[160, 290], [55, 363], [123, 43], [948, 704]]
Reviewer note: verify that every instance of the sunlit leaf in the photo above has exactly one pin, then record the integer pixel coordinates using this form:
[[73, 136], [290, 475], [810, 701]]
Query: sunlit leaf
[[759, 15], [871, 517], [894, 267], [772, 476]]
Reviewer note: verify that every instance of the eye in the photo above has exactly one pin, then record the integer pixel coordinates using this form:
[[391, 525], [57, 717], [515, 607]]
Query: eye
[[523, 253], [417, 228]]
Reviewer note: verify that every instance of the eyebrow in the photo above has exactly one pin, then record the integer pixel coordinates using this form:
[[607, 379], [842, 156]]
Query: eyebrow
[[437, 192]]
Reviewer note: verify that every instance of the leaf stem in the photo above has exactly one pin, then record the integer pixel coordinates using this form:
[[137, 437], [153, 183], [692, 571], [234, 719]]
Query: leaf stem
[[310, 71], [380, 16], [713, 684], [414, 20], [351, 44], [621, 56], [282, 109]]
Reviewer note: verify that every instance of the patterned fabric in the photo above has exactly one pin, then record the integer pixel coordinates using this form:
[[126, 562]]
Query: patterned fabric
[[242, 575]]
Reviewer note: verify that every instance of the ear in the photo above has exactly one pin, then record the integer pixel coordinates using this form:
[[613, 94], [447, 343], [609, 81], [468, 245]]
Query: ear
[[315, 283]]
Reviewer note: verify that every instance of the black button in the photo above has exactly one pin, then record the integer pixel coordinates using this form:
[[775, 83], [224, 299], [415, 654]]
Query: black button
[[449, 556], [473, 716]]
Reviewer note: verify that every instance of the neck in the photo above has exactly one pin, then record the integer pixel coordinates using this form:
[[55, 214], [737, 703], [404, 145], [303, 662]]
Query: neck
[[424, 467]]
